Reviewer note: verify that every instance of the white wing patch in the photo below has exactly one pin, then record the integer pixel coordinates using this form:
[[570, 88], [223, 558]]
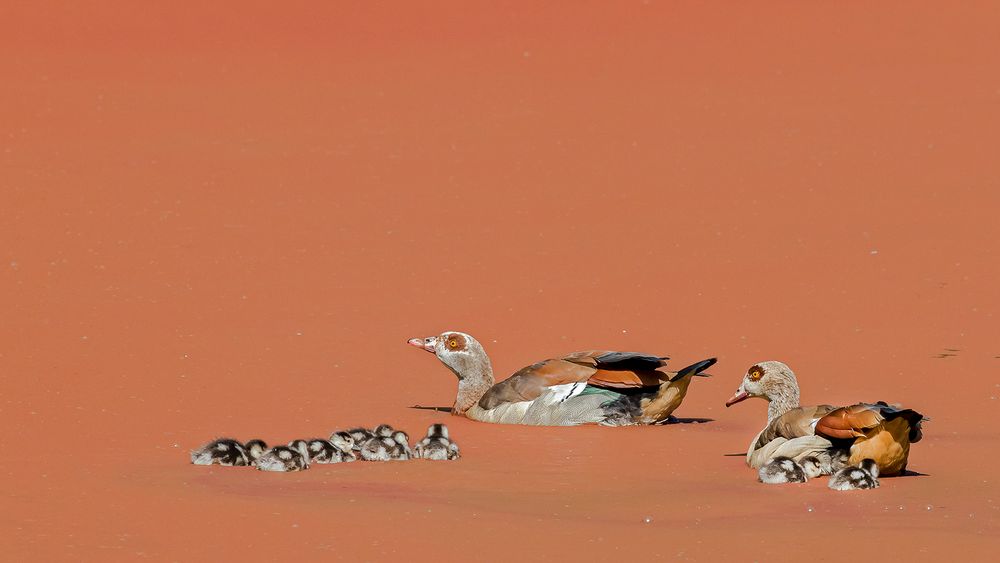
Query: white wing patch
[[564, 392]]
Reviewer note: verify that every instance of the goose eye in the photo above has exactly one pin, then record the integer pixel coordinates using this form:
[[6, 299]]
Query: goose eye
[[755, 373], [453, 344]]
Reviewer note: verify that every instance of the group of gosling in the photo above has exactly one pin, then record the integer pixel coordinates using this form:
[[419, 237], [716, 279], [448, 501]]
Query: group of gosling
[[835, 463], [383, 443]]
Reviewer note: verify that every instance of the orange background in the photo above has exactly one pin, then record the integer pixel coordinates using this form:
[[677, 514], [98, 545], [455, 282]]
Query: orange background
[[228, 219]]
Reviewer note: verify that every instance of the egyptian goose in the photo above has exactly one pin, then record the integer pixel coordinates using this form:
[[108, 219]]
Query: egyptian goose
[[323, 451], [781, 470], [436, 445], [224, 451], [344, 442], [360, 436], [607, 388], [877, 431], [864, 476], [377, 448], [285, 458], [300, 445], [400, 450], [254, 449], [813, 467]]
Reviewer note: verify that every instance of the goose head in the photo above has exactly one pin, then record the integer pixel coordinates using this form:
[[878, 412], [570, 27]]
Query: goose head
[[772, 381], [462, 353]]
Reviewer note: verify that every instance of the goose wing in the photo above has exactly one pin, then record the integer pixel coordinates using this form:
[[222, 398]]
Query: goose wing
[[568, 376], [856, 421]]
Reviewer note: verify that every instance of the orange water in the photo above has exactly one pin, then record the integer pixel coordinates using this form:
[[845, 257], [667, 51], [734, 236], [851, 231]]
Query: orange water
[[228, 219]]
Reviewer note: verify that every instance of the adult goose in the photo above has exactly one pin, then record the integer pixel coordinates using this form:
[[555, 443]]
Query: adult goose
[[592, 387], [876, 431]]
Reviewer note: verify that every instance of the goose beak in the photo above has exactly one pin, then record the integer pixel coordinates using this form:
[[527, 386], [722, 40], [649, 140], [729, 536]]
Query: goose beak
[[740, 395], [423, 343]]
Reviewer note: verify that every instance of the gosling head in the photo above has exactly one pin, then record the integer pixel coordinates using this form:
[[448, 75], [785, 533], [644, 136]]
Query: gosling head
[[342, 441], [254, 449], [438, 430], [812, 466], [870, 466]]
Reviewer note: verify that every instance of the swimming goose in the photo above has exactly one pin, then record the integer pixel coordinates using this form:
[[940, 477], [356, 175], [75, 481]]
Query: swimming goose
[[593, 387], [867, 430]]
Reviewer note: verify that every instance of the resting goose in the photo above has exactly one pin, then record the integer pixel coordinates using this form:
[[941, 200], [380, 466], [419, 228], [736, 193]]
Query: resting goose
[[224, 451], [360, 436], [436, 445], [877, 431], [813, 467], [781, 470], [344, 442], [593, 387], [865, 476], [254, 449], [400, 450], [323, 451], [377, 448], [285, 458]]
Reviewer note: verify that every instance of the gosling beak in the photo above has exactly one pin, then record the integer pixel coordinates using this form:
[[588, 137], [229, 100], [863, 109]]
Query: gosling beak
[[424, 343], [740, 395]]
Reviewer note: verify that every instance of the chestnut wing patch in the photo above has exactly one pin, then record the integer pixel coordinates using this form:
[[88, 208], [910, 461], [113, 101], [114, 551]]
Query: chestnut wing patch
[[600, 368], [622, 370], [530, 382], [855, 420]]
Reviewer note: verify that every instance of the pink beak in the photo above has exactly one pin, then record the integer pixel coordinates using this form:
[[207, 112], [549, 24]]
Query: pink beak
[[739, 396], [423, 343]]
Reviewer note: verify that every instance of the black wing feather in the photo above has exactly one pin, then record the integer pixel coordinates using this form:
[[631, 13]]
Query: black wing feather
[[629, 361]]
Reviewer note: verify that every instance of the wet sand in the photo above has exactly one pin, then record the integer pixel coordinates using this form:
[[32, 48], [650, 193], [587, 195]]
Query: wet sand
[[228, 220]]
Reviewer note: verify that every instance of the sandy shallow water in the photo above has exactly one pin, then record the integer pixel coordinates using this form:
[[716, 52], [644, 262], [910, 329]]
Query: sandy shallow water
[[227, 220]]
